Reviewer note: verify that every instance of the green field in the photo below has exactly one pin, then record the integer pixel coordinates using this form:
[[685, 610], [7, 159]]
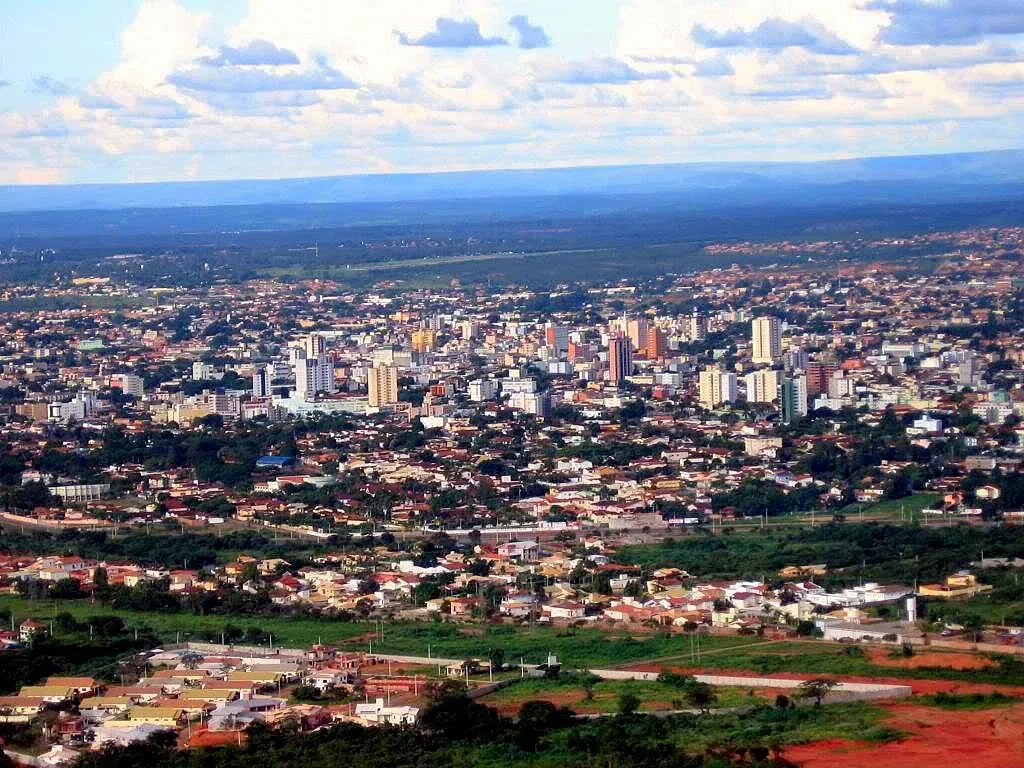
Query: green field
[[571, 691], [579, 648], [906, 510], [186, 626]]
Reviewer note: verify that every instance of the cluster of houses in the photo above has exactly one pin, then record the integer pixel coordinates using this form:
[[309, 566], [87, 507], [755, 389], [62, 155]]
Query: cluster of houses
[[211, 697]]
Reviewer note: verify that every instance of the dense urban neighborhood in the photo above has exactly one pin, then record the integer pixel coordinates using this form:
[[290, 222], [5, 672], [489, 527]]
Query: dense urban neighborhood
[[246, 510]]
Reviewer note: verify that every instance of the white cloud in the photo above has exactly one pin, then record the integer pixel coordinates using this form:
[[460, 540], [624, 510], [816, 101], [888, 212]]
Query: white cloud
[[326, 86]]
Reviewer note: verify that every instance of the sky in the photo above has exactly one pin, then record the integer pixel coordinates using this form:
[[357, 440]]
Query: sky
[[165, 90]]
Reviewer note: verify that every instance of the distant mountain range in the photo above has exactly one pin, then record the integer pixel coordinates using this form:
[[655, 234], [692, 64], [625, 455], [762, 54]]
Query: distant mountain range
[[923, 178]]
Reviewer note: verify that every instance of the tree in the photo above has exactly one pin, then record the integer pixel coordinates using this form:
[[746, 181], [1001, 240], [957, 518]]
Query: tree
[[817, 689], [459, 717], [443, 689], [628, 703], [973, 626], [66, 589], [702, 696]]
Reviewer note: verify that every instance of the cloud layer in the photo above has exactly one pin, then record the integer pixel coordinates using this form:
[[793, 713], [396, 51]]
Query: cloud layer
[[316, 87]]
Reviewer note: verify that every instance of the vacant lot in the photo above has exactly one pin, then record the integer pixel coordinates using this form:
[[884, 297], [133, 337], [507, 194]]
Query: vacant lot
[[933, 736], [589, 697]]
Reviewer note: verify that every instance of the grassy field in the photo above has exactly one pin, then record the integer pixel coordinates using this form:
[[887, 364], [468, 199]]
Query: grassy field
[[969, 701], [571, 691], [906, 510], [580, 648], [819, 658], [186, 626]]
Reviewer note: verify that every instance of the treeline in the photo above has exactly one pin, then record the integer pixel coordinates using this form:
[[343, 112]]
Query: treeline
[[170, 551]]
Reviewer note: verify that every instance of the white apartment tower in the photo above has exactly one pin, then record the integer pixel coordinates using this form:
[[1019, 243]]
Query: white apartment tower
[[314, 376]]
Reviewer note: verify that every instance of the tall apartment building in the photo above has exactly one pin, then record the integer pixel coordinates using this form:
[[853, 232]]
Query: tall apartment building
[[261, 382], [383, 385], [763, 386], [637, 330], [314, 345], [696, 327], [716, 387], [793, 398], [129, 383], [818, 375], [314, 376], [766, 338], [556, 337], [795, 359], [424, 340], [657, 344], [620, 358], [483, 389]]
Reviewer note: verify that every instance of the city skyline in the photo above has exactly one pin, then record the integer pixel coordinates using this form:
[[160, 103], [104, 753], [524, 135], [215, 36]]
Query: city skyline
[[156, 90]]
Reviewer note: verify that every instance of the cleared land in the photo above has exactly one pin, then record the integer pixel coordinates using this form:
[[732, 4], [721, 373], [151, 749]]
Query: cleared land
[[932, 736]]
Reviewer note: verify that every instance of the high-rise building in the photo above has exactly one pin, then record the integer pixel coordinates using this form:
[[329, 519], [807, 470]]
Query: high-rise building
[[383, 385], [657, 344], [716, 387], [424, 340], [314, 345], [795, 359], [840, 385], [579, 351], [818, 375], [313, 376], [696, 327], [636, 330], [483, 389], [535, 403], [556, 337], [261, 382], [793, 398], [968, 372], [130, 384], [763, 386], [620, 358], [766, 336]]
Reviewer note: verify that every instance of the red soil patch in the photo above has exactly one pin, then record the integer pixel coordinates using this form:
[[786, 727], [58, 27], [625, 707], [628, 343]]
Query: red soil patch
[[992, 738], [202, 737], [881, 657]]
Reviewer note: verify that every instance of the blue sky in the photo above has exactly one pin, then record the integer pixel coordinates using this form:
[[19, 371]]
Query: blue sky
[[143, 90]]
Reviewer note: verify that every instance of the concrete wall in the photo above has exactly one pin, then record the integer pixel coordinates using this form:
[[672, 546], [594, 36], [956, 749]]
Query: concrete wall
[[843, 692]]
